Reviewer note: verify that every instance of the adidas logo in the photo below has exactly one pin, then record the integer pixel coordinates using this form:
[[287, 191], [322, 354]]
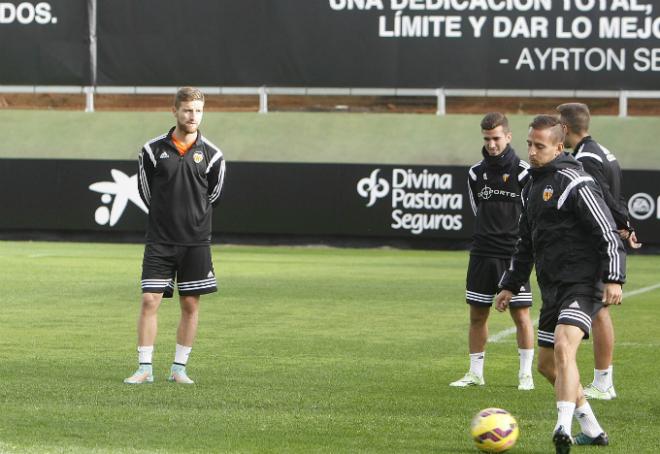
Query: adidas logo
[[164, 155], [210, 274], [574, 305]]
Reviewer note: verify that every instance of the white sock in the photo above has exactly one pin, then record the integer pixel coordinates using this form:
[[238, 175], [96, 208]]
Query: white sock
[[526, 360], [565, 412], [181, 354], [477, 363], [145, 354], [588, 422], [603, 378]]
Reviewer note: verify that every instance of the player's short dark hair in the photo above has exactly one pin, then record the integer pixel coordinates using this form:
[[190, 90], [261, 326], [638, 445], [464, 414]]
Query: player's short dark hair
[[185, 94], [541, 122], [576, 116], [494, 119]]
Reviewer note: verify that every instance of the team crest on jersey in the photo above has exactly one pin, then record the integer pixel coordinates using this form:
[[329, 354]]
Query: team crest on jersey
[[547, 193], [505, 177], [198, 157]]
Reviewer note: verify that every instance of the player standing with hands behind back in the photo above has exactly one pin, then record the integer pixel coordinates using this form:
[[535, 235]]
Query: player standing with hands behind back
[[494, 186], [602, 165], [180, 179]]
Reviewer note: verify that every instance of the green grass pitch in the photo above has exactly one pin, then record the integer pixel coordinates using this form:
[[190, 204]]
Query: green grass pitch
[[303, 350]]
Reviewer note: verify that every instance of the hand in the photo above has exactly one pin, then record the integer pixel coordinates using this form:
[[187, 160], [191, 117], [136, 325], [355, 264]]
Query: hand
[[503, 299], [612, 294], [631, 237], [632, 241]]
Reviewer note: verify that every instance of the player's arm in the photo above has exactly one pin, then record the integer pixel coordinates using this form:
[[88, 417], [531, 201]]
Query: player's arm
[[503, 299], [520, 268], [618, 209], [472, 187], [215, 174], [146, 167], [631, 237], [590, 207]]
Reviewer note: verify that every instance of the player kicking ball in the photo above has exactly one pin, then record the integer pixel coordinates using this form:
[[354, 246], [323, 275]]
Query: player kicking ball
[[567, 233]]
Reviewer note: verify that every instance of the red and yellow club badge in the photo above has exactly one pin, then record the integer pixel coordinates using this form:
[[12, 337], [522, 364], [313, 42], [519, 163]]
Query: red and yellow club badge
[[547, 193]]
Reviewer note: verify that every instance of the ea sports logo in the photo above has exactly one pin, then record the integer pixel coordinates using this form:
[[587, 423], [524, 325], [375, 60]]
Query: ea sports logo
[[641, 206], [373, 187]]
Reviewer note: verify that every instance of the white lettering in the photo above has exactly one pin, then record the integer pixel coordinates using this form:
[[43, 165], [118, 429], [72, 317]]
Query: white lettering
[[629, 28], [339, 5], [572, 59], [461, 5], [580, 28], [505, 27], [647, 59], [419, 222], [477, 24], [407, 178], [26, 13], [426, 200]]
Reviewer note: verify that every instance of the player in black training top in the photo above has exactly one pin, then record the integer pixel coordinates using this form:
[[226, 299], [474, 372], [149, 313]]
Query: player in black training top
[[602, 165], [180, 179], [567, 233], [494, 186]]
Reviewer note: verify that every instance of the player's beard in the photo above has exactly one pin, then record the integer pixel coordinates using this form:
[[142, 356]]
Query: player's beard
[[188, 128]]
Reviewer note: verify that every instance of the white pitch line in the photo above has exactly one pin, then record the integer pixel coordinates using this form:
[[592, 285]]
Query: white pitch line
[[640, 290], [504, 333], [497, 337]]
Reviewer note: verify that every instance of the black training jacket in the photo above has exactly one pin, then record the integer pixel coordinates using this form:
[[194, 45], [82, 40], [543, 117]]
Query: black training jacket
[[601, 164], [566, 230], [180, 190], [494, 186]]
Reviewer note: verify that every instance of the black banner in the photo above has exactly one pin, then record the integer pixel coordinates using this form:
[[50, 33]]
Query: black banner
[[505, 44], [492, 44], [312, 200], [643, 192], [258, 198], [44, 43]]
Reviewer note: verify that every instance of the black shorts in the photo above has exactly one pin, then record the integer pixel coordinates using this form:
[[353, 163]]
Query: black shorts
[[191, 266], [569, 304], [483, 277]]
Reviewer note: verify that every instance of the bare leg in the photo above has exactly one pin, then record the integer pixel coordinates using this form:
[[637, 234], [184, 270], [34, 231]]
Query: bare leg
[[477, 338], [567, 382], [148, 321], [478, 334], [524, 330], [603, 334], [546, 364], [187, 330], [546, 367]]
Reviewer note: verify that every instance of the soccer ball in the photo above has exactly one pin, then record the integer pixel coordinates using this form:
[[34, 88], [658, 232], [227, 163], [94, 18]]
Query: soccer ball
[[494, 430]]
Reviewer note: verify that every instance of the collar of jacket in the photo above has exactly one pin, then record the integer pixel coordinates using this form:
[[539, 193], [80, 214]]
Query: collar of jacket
[[581, 143], [501, 160], [563, 161], [198, 140]]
